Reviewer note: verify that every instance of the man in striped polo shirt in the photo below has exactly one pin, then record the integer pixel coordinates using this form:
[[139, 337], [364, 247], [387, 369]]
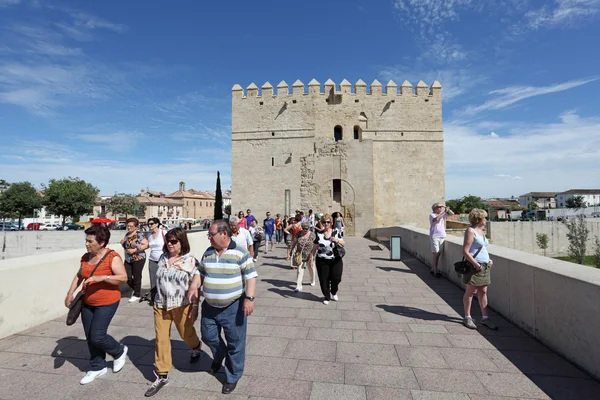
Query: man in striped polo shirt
[[228, 279]]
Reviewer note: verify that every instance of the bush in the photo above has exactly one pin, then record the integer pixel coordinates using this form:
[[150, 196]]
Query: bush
[[578, 234], [596, 258], [542, 241]]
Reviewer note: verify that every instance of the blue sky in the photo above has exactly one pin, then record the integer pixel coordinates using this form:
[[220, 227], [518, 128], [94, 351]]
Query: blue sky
[[136, 94]]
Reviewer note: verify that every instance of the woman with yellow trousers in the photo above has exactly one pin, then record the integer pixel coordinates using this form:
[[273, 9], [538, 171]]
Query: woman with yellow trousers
[[176, 267]]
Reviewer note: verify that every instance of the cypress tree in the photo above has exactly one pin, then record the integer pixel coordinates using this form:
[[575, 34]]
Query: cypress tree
[[218, 199]]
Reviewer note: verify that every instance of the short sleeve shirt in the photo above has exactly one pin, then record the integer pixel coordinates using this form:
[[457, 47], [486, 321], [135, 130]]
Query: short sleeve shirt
[[437, 229], [269, 224], [243, 238], [326, 246]]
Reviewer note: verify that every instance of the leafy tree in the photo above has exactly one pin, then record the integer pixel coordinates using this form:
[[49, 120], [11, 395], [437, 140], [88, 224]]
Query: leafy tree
[[123, 203], [228, 210], [69, 197], [542, 241], [596, 259], [577, 234], [19, 200], [532, 205], [218, 199], [575, 202], [455, 206]]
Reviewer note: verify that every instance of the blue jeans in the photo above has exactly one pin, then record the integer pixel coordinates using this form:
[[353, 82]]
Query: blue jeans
[[233, 321], [278, 235], [96, 320]]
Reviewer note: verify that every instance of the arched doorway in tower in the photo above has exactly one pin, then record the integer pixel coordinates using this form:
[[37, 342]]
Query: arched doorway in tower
[[338, 195]]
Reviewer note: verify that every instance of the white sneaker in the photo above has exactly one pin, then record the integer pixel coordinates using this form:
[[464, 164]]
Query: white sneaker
[[312, 284], [120, 362], [298, 289], [325, 302], [334, 297], [134, 299], [254, 259], [91, 375]]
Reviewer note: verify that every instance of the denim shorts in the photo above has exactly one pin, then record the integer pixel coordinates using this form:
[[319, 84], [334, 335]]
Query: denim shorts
[[268, 238]]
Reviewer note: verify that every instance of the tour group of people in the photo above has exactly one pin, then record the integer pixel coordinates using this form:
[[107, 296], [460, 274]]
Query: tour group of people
[[225, 275]]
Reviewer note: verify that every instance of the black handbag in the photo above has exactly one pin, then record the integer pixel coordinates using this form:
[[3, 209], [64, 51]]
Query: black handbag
[[77, 303], [464, 267]]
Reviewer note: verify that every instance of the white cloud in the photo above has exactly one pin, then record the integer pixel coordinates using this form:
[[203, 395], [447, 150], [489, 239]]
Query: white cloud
[[8, 3], [494, 135], [529, 157], [510, 95], [562, 13]]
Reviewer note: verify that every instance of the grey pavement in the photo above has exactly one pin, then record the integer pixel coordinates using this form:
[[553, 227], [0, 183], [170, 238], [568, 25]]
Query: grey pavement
[[395, 333]]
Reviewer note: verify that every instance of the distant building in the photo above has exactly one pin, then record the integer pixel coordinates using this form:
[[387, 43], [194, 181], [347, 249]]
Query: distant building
[[591, 197], [196, 204], [542, 199]]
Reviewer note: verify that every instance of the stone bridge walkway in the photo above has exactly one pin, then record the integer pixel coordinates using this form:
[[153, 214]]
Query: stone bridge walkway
[[396, 333]]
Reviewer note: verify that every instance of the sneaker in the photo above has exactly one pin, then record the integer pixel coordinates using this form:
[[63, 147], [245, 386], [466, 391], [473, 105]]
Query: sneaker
[[334, 297], [312, 284], [91, 375], [298, 289], [134, 299], [158, 384], [438, 275], [325, 302], [120, 362], [195, 354], [254, 259], [468, 322], [215, 367], [487, 322], [228, 388]]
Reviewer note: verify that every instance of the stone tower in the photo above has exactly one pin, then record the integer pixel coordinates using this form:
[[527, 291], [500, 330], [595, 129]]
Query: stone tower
[[377, 156]]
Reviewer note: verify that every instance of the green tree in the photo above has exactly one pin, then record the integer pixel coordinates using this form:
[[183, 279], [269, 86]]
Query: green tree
[[577, 235], [228, 210], [69, 197], [20, 200], [542, 241], [218, 199], [123, 203], [532, 205], [575, 202], [596, 259], [470, 202], [455, 205]]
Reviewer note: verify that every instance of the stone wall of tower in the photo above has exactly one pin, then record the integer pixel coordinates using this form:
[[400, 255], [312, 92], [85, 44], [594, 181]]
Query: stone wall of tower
[[390, 173]]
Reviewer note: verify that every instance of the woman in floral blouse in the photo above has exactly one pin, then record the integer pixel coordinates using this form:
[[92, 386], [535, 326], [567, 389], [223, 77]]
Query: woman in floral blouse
[[134, 244], [304, 245], [176, 268]]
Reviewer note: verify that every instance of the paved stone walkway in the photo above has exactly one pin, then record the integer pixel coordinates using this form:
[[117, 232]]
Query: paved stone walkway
[[394, 334]]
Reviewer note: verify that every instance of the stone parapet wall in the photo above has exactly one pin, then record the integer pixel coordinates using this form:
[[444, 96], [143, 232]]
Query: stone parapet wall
[[554, 301]]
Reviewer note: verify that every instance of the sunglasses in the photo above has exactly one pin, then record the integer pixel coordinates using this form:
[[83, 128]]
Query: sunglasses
[[151, 223], [327, 222], [173, 241]]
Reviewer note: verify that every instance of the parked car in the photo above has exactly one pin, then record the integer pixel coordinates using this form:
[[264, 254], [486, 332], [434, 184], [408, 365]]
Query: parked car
[[8, 226], [34, 226], [121, 225], [50, 227], [71, 226]]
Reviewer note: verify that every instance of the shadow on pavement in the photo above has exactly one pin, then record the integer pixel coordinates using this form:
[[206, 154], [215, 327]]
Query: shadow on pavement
[[418, 313]]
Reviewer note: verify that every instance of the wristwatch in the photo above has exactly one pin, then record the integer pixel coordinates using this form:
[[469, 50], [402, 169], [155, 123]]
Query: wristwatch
[[251, 298]]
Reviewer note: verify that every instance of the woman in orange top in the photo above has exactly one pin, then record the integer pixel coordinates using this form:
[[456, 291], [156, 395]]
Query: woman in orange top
[[292, 230], [100, 301]]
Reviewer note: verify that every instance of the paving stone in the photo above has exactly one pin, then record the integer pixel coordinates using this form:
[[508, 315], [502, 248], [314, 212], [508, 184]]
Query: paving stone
[[330, 334], [349, 325], [427, 395], [425, 328], [311, 350], [515, 385], [395, 318], [387, 326], [333, 391], [285, 389], [367, 353], [21, 361], [353, 306], [317, 323], [266, 346], [470, 341], [427, 339], [282, 312], [387, 393], [360, 316], [290, 332], [259, 329], [426, 357], [567, 388], [272, 367], [447, 380], [383, 337], [468, 359], [380, 375], [320, 371]]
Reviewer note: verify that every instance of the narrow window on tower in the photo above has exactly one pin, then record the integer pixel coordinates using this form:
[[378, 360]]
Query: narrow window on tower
[[337, 190], [272, 161], [337, 133]]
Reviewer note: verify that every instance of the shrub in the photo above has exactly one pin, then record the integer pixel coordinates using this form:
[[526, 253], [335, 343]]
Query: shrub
[[578, 234], [542, 241]]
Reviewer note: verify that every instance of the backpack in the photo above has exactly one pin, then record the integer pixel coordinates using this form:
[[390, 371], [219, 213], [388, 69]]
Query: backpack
[[259, 235]]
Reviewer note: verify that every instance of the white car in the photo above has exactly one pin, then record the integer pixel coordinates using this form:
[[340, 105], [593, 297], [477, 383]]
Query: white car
[[50, 227]]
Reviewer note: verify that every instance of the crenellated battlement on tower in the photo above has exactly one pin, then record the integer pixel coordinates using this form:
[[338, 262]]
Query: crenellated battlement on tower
[[314, 88]]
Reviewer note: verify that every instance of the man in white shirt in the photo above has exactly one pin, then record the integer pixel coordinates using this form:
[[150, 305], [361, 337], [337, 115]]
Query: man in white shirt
[[241, 236]]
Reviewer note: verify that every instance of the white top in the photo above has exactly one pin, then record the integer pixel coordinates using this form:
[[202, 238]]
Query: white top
[[156, 245], [243, 238]]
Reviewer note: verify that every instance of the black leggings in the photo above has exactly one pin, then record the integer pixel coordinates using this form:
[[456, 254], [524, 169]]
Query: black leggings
[[134, 275], [330, 275]]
